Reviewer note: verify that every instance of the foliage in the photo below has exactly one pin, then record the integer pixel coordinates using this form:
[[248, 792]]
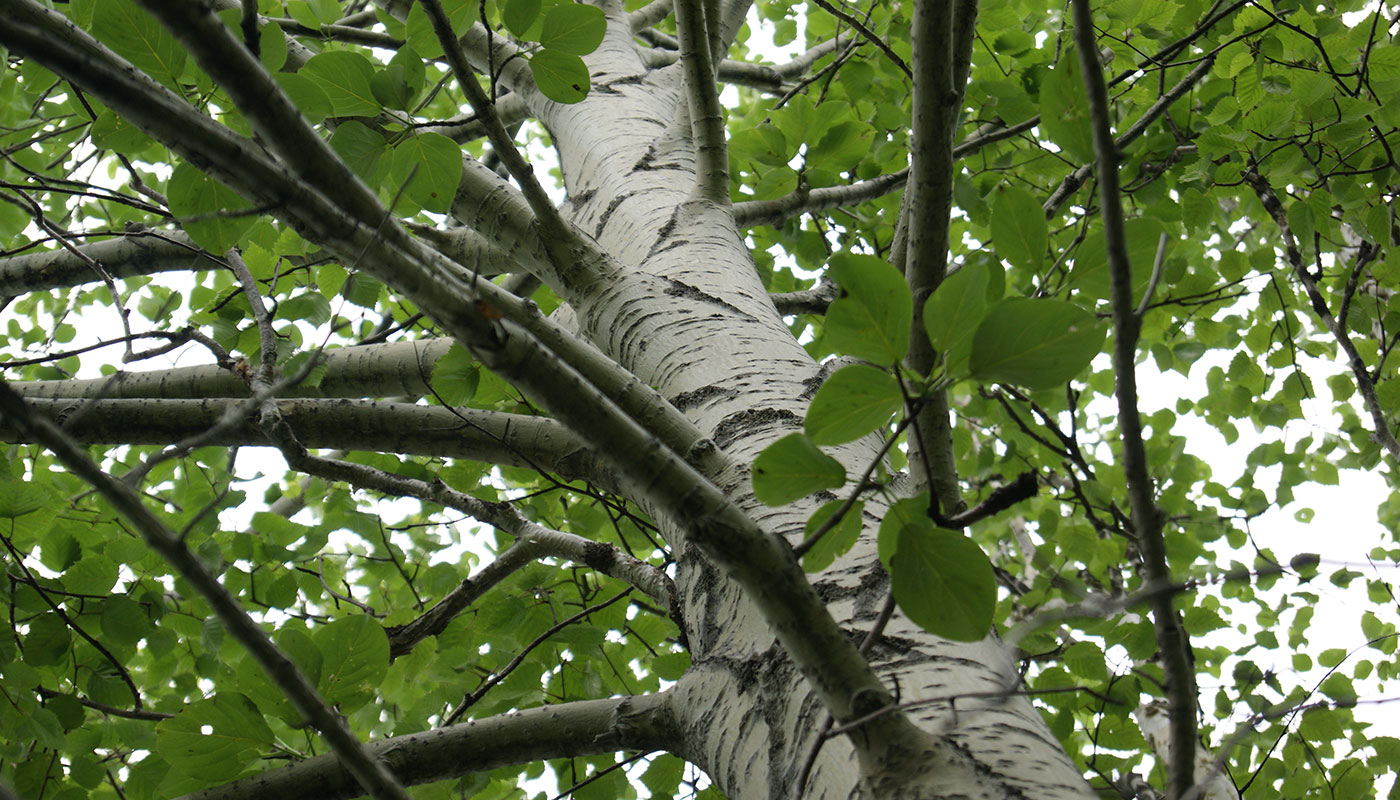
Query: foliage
[[1261, 231]]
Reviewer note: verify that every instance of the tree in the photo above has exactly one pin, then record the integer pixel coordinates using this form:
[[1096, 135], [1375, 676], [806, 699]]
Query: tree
[[782, 446]]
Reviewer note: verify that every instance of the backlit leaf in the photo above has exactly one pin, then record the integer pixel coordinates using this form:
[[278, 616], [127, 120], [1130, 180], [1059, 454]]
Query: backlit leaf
[[1037, 343], [345, 78], [214, 739], [944, 583]]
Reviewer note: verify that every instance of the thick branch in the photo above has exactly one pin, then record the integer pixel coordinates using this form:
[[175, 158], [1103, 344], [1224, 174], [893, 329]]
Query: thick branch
[[702, 100], [807, 301], [926, 216], [1174, 648], [487, 436], [566, 730], [128, 256], [440, 288], [649, 14], [394, 369]]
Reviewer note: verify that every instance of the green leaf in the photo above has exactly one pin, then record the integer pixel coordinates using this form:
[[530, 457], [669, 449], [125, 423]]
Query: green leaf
[[901, 514], [1064, 111], [663, 776], [398, 84], [237, 733], [764, 144], [431, 165], [308, 306], [835, 542], [671, 666], [519, 15], [361, 147], [574, 28], [419, 31], [1037, 343], [111, 132], [952, 314], [345, 77], [355, 656], [870, 319], [792, 468], [124, 622], [456, 376], [843, 146], [944, 583], [307, 95], [272, 47], [560, 76], [207, 209], [327, 11], [854, 401], [1142, 234], [47, 641], [18, 498], [140, 39], [1019, 231], [94, 574]]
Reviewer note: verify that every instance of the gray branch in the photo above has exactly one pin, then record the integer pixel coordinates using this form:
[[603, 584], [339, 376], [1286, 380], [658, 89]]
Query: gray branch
[[566, 730], [129, 256], [394, 369], [487, 436]]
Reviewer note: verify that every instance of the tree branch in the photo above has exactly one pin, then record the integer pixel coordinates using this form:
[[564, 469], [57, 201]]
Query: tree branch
[[871, 37], [1174, 647], [394, 369], [649, 14], [702, 101], [403, 638], [487, 255], [488, 436], [500, 515], [803, 200], [126, 256], [807, 301], [566, 730], [765, 77], [440, 288], [510, 109], [926, 216]]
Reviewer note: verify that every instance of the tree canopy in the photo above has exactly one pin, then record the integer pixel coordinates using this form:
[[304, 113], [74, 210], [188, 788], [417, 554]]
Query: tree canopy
[[798, 447]]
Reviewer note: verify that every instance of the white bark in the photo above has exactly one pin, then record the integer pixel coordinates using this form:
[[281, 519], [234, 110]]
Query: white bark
[[692, 318]]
